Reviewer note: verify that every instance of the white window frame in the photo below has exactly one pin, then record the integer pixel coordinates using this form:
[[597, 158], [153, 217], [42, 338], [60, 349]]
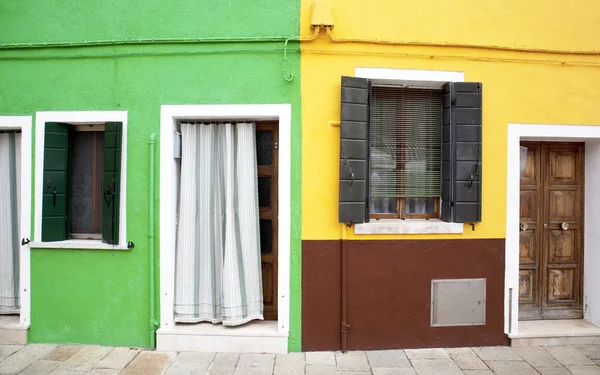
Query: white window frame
[[170, 114], [23, 123], [409, 77], [78, 117]]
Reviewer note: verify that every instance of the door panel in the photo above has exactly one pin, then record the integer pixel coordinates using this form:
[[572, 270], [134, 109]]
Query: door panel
[[550, 284], [267, 136]]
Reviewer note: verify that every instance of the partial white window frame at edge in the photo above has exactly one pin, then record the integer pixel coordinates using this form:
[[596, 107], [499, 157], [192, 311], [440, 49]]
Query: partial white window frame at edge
[[78, 117], [423, 78]]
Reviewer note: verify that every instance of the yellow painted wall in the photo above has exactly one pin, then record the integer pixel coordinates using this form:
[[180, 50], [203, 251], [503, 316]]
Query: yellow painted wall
[[518, 87]]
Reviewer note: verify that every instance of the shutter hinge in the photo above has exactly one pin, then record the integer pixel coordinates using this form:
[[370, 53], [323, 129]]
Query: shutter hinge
[[453, 101], [25, 241]]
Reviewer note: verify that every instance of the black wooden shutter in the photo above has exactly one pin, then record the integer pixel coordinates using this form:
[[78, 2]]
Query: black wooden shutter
[[461, 152], [111, 188], [354, 151], [55, 198]]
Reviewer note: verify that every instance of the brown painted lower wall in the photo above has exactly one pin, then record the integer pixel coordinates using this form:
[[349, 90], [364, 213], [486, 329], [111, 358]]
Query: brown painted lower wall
[[389, 292]]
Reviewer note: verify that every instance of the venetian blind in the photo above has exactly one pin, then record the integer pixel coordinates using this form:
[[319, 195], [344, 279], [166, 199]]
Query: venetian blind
[[405, 140]]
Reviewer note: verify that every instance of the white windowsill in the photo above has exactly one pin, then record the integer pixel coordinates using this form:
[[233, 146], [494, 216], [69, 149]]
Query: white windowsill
[[77, 245], [396, 226]]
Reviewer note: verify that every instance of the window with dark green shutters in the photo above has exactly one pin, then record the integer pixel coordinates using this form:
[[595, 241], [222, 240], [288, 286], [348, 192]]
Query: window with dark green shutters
[[81, 191]]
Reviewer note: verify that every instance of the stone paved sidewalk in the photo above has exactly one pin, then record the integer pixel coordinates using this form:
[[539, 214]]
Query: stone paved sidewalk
[[37, 359]]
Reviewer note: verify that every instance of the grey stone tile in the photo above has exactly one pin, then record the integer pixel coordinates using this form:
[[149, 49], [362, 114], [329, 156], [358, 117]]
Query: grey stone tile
[[320, 358], [352, 361], [195, 357], [7, 350], [149, 363], [41, 367], [426, 353], [553, 371], [62, 352], [478, 372], [393, 371], [466, 362], [590, 351], [223, 364], [597, 361], [460, 352], [537, 357], [320, 370], [509, 367], [256, 360], [68, 371], [569, 356], [289, 363], [497, 353], [354, 372], [187, 368], [85, 358], [435, 367], [387, 358], [584, 370], [24, 358], [118, 358], [105, 371]]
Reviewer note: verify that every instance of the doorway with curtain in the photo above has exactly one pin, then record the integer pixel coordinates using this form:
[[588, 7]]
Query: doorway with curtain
[[226, 242], [10, 185]]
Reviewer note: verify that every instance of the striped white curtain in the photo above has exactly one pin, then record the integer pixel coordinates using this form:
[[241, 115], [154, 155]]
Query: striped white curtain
[[217, 267], [10, 177]]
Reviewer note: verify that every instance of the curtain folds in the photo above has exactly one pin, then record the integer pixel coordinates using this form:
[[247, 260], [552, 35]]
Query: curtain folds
[[10, 177], [217, 267]]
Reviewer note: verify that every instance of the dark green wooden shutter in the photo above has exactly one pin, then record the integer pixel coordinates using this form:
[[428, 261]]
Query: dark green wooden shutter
[[461, 152], [354, 151], [111, 187], [55, 201]]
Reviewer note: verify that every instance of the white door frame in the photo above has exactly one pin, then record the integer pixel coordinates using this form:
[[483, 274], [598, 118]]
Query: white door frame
[[569, 133], [170, 114], [24, 124]]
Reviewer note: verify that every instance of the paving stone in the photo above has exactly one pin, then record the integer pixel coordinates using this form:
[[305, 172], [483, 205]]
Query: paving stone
[[460, 352], [289, 363], [149, 363], [7, 350], [569, 356], [62, 352], [320, 370], [195, 357], [320, 358], [537, 357], [553, 371], [353, 361], [187, 368], [590, 351], [497, 353], [478, 372], [510, 367], [387, 358], [354, 372], [223, 364], [41, 367], [68, 371], [85, 358], [470, 363], [426, 353], [118, 358], [435, 367], [255, 364], [584, 370], [105, 371], [393, 371], [24, 358]]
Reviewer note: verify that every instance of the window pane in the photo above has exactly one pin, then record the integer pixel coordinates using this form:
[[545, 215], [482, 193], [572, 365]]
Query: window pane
[[266, 236], [82, 157], [382, 206], [264, 192], [419, 205], [264, 147]]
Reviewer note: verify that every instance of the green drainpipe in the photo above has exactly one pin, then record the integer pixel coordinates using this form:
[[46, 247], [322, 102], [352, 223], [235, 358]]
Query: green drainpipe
[[153, 322]]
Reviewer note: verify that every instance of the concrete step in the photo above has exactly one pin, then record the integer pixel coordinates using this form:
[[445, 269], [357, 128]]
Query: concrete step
[[555, 333], [11, 332]]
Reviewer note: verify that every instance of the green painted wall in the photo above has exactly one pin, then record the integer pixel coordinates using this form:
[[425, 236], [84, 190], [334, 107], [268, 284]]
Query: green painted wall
[[98, 296]]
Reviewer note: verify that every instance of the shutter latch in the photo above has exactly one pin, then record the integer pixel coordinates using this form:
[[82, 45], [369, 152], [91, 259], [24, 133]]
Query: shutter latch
[[349, 168]]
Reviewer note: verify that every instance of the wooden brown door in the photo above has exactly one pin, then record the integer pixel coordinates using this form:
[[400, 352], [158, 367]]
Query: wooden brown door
[[267, 139], [551, 232]]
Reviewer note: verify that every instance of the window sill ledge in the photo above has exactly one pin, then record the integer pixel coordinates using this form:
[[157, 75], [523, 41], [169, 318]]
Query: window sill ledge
[[77, 245], [391, 226]]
